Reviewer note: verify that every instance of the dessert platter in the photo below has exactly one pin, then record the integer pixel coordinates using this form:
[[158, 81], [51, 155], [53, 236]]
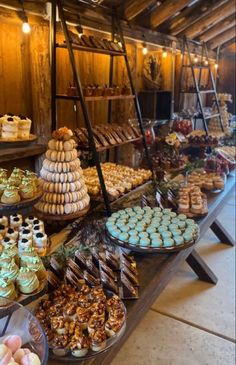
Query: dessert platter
[[18, 189], [99, 90], [64, 191], [151, 230], [22, 273], [15, 129], [81, 323], [119, 180], [106, 136], [206, 180], [115, 271], [192, 202]]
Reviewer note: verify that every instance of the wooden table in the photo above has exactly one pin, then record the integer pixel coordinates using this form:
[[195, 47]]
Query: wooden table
[[156, 271]]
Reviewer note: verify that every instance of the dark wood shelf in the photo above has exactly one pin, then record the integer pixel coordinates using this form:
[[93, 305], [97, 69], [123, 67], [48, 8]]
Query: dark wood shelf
[[198, 67], [104, 148], [93, 50], [12, 154], [201, 91], [95, 98]]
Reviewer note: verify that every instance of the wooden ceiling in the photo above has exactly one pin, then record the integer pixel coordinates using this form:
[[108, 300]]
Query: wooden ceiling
[[211, 21]]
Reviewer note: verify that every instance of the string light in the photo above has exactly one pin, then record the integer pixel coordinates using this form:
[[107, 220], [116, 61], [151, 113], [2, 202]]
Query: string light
[[26, 28], [195, 59], [145, 50], [206, 63], [164, 53], [216, 66]]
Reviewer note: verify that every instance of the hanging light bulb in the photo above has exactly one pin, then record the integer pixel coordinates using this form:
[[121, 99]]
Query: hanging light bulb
[[216, 66], [145, 50], [195, 59], [164, 53], [26, 28], [206, 63]]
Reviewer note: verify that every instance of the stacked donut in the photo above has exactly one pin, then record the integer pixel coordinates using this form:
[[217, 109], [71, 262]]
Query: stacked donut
[[64, 188]]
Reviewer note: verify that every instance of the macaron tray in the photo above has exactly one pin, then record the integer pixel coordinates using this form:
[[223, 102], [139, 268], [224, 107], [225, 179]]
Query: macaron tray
[[81, 324], [150, 230]]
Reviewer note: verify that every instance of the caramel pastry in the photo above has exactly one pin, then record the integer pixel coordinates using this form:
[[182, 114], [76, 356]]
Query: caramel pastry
[[97, 294], [98, 308], [79, 345], [114, 302], [95, 322], [70, 312], [113, 326], [83, 317], [98, 340], [91, 280]]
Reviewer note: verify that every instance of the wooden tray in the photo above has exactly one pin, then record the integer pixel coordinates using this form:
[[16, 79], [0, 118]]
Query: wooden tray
[[63, 217], [145, 250], [4, 142], [9, 208]]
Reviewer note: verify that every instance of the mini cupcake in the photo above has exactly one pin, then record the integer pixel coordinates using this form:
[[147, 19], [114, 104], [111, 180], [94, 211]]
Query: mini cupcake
[[16, 221], [27, 281], [40, 241], [3, 230], [25, 226], [7, 291], [24, 125], [9, 128], [26, 256], [30, 219], [23, 244], [9, 271], [27, 189], [10, 195], [7, 241], [79, 345], [10, 251], [35, 264], [12, 234], [4, 261], [26, 233]]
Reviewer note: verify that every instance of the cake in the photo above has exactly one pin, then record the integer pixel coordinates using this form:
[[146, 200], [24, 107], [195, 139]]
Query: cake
[[64, 189]]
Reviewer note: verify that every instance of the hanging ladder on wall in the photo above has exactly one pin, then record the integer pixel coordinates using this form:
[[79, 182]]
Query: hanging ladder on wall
[[200, 65], [116, 28]]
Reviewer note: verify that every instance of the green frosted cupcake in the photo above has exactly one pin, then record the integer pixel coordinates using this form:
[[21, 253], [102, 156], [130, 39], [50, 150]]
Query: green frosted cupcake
[[10, 271]]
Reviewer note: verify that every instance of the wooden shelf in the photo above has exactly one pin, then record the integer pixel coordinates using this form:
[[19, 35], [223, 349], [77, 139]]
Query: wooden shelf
[[95, 98], [197, 67], [103, 148], [209, 116], [93, 50], [12, 154], [201, 91]]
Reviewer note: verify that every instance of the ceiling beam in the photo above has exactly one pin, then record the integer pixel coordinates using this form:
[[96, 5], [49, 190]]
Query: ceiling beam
[[135, 7], [189, 15], [166, 10], [227, 44], [32, 7], [222, 38], [220, 27], [208, 21]]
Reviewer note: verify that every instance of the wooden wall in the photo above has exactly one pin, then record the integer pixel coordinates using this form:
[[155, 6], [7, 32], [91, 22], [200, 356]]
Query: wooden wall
[[227, 77]]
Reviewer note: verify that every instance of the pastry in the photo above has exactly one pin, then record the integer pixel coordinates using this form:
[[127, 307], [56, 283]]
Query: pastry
[[79, 345], [24, 125], [9, 271], [10, 195], [27, 281], [9, 128], [7, 291]]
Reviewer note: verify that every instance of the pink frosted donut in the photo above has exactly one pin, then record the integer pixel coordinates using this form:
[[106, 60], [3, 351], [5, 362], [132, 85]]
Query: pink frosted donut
[[13, 342], [20, 353], [5, 355], [30, 359]]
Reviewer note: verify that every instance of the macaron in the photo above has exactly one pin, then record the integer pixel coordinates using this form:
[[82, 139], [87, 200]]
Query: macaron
[[144, 242], [176, 232], [110, 225], [187, 237], [120, 223], [13, 342], [173, 227], [20, 353], [158, 214], [151, 229], [115, 233], [143, 235], [156, 242], [182, 217], [111, 219], [190, 222], [133, 232], [168, 242], [131, 225], [178, 240], [155, 224], [128, 210], [123, 236], [172, 214], [140, 228], [155, 235], [166, 234], [162, 229], [139, 217], [157, 209], [137, 209], [131, 214], [147, 209], [124, 228], [115, 215], [133, 220], [125, 216], [165, 223], [166, 211], [30, 359], [182, 224], [175, 220], [134, 240]]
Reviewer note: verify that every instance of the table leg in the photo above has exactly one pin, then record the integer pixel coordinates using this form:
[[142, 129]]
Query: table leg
[[201, 268], [222, 234]]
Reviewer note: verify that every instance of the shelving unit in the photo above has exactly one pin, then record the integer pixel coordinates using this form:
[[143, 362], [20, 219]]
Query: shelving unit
[[116, 28], [197, 82], [13, 154], [105, 148]]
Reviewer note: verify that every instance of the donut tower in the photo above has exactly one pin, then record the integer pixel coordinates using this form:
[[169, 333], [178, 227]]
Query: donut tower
[[64, 189]]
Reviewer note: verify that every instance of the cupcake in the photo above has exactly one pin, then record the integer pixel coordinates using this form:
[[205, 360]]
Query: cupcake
[[30, 219], [7, 291], [98, 340], [16, 177], [9, 242], [3, 220], [27, 189], [16, 221], [25, 226], [10, 195], [26, 256], [3, 230], [12, 234], [27, 281], [3, 185], [79, 345], [35, 264], [23, 244], [9, 271], [26, 233], [40, 241], [10, 251]]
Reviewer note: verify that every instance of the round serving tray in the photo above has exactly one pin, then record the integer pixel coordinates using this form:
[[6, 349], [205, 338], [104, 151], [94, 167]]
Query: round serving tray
[[145, 250], [63, 217], [27, 203], [68, 357], [5, 143]]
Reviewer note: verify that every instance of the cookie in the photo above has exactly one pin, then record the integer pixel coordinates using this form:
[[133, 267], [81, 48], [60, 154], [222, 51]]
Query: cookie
[[68, 208], [69, 145], [68, 198], [59, 146], [52, 144]]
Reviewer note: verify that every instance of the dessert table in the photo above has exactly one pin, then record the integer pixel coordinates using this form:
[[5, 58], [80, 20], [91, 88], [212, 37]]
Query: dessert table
[[156, 271]]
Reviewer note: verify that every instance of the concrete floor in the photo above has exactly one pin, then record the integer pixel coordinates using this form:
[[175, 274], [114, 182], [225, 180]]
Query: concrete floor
[[192, 322]]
